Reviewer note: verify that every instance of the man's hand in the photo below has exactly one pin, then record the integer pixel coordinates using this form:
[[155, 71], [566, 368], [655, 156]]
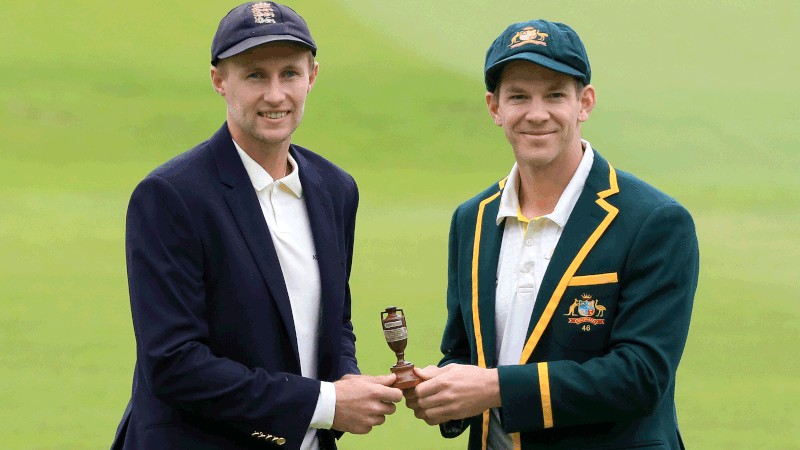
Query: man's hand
[[363, 402], [453, 392]]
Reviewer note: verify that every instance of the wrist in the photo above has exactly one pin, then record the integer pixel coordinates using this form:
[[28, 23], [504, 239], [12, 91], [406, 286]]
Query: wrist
[[492, 388]]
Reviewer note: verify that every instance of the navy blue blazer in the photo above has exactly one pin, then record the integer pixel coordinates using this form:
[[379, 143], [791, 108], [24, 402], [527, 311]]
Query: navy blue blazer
[[217, 361]]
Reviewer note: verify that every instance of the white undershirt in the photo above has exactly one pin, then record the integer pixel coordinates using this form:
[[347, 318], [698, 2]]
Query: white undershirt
[[525, 253], [285, 211]]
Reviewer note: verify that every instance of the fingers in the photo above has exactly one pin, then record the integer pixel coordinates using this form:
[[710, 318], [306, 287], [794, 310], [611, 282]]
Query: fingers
[[427, 373], [387, 394], [424, 415], [386, 380], [384, 392]]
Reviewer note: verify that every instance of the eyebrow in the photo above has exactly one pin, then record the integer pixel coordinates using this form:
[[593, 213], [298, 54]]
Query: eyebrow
[[558, 85]]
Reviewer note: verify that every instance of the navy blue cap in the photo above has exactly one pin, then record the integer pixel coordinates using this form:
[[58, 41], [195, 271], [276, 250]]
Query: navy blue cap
[[549, 44], [256, 23]]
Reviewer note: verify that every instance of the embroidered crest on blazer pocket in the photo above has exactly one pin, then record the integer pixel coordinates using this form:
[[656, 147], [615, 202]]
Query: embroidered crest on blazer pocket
[[586, 311]]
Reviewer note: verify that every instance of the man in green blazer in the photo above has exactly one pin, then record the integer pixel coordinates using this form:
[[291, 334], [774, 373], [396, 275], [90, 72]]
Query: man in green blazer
[[570, 283]]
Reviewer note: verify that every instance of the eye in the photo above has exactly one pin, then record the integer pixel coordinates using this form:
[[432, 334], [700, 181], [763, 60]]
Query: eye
[[292, 73], [558, 95], [254, 75], [516, 97]]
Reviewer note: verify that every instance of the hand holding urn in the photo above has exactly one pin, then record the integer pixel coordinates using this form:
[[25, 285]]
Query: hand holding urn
[[394, 328]]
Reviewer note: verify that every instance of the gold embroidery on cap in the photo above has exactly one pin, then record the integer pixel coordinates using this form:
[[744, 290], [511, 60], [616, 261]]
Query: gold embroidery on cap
[[528, 35], [262, 13]]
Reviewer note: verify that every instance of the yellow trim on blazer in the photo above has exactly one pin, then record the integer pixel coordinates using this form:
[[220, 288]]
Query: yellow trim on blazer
[[544, 387], [515, 438], [588, 280], [476, 246], [544, 320], [476, 320], [547, 408]]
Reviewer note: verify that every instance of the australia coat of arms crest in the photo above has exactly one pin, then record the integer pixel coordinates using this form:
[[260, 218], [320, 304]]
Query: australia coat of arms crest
[[586, 311]]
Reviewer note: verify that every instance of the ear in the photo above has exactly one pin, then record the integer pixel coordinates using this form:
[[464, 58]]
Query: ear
[[588, 99], [492, 102], [218, 79], [312, 77]]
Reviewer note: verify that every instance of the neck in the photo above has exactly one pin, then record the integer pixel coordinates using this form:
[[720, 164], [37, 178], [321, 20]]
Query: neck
[[540, 187], [274, 158]]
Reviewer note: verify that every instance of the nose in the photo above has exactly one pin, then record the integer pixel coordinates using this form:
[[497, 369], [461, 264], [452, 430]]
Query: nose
[[537, 112], [273, 92]]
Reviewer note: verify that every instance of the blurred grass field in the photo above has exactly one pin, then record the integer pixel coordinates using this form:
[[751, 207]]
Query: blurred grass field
[[696, 97]]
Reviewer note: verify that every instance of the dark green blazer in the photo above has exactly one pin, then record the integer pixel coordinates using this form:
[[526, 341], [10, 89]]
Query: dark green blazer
[[608, 328]]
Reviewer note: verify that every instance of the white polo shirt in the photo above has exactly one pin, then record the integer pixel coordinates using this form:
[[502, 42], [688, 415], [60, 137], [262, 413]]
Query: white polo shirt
[[285, 211], [524, 256]]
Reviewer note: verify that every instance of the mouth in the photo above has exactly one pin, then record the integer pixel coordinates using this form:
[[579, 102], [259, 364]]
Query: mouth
[[273, 114], [538, 133]]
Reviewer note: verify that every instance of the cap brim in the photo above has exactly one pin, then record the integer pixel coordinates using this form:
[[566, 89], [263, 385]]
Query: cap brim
[[493, 72], [256, 41]]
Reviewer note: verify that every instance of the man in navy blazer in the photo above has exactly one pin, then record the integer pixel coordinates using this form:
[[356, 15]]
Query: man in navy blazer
[[570, 283], [239, 254]]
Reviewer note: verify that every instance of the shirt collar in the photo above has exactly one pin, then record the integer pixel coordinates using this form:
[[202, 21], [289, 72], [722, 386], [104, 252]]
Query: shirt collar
[[509, 200], [261, 178]]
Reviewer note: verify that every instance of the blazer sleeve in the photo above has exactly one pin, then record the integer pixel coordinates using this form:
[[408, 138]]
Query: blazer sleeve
[[455, 341], [455, 345], [657, 286], [166, 281], [347, 361]]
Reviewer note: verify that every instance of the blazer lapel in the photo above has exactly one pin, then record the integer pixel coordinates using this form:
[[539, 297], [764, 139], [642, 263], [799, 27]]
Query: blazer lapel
[[485, 256], [487, 241], [244, 205], [589, 220], [331, 262]]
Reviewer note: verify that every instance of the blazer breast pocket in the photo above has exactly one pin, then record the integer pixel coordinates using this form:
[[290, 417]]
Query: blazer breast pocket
[[586, 311]]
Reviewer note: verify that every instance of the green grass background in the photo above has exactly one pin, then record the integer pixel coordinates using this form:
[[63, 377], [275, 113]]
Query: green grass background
[[697, 97]]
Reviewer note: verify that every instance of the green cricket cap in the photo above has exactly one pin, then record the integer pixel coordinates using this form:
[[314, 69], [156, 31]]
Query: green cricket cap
[[549, 44]]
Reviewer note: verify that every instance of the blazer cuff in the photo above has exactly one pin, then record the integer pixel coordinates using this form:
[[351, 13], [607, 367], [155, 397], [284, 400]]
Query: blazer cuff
[[326, 407], [525, 394]]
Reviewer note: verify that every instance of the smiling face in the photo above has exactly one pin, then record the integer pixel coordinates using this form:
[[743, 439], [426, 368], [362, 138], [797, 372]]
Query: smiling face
[[540, 111], [265, 88]]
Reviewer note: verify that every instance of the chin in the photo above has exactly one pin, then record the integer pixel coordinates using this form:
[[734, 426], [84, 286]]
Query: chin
[[271, 137], [537, 157]]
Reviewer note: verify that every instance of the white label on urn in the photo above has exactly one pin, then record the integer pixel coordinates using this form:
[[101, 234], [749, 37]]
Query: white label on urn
[[393, 323], [397, 334]]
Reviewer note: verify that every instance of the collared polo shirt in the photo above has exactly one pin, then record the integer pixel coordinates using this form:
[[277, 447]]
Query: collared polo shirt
[[525, 253], [285, 212]]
